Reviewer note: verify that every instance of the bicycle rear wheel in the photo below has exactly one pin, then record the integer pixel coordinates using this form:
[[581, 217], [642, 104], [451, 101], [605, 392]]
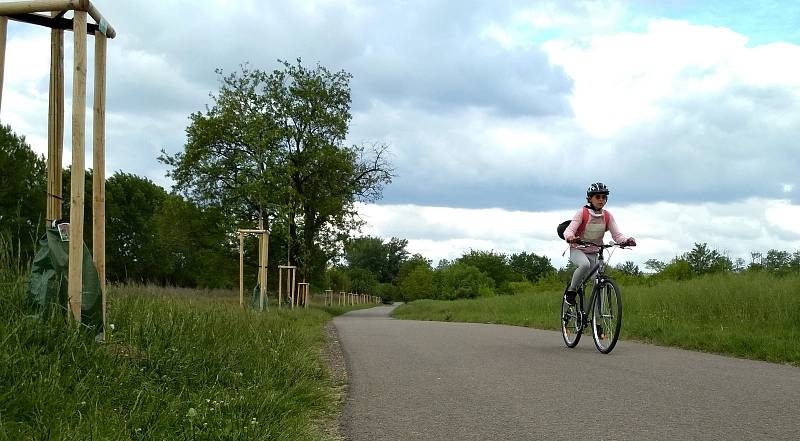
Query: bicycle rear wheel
[[570, 324], [607, 317]]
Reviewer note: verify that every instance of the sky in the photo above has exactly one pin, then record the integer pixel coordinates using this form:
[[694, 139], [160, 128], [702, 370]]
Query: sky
[[497, 115]]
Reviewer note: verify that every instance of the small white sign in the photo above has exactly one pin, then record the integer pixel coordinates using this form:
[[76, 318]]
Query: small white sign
[[63, 231]]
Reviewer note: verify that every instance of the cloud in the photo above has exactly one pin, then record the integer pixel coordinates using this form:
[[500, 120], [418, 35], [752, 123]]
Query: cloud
[[663, 230], [675, 112]]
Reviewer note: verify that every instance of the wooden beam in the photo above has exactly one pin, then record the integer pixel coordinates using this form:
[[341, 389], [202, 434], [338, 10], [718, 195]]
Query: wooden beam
[[56, 22], [3, 34], [55, 127], [102, 24], [78, 167], [27, 7], [99, 165]]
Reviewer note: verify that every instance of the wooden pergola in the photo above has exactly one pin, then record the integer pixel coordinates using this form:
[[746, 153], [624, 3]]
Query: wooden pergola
[[52, 14]]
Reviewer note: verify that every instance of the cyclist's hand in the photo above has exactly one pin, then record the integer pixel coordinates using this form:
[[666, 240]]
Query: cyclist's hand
[[631, 242]]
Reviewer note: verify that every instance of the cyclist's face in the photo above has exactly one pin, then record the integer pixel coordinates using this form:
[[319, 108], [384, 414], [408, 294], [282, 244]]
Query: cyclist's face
[[599, 200]]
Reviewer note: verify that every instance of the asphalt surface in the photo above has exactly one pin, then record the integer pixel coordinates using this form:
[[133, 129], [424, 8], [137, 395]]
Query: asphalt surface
[[413, 380]]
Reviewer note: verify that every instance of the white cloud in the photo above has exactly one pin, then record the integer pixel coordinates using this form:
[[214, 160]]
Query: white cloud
[[662, 230]]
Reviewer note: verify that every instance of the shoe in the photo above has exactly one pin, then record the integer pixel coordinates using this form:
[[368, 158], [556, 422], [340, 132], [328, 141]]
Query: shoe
[[569, 297], [600, 332]]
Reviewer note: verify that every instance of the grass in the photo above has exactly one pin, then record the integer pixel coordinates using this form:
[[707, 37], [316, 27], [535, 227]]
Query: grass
[[753, 315], [178, 366]]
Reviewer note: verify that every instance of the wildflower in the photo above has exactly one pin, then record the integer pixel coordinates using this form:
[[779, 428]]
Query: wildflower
[[112, 326], [192, 413]]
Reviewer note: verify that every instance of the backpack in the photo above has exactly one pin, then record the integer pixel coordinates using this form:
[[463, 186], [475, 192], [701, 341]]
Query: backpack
[[563, 225]]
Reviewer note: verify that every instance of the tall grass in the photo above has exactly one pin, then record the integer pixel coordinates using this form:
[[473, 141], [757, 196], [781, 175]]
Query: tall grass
[[753, 315], [176, 366]]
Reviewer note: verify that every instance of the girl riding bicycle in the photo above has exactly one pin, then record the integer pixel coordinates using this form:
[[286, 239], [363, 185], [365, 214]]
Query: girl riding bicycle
[[590, 224]]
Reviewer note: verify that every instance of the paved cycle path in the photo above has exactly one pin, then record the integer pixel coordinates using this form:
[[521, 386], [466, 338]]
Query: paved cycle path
[[414, 380]]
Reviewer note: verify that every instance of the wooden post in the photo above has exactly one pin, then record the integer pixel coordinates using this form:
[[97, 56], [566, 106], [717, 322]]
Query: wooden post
[[266, 259], [280, 287], [241, 269], [78, 165], [262, 270], [99, 164], [294, 288], [3, 35], [55, 127]]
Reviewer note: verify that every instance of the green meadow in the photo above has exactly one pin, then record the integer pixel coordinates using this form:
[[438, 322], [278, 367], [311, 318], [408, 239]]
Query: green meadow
[[179, 364], [751, 315]]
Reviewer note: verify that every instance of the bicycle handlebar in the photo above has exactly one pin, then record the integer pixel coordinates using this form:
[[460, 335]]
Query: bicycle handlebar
[[586, 243]]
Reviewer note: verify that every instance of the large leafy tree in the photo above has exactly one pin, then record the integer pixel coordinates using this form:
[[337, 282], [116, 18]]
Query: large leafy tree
[[703, 259], [132, 247], [23, 180], [494, 265], [270, 149], [531, 265], [381, 259]]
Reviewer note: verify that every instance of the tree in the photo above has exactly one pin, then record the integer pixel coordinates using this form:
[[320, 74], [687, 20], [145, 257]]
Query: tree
[[655, 265], [23, 182], [778, 262], [412, 263], [372, 254], [629, 268], [415, 278], [194, 249], [271, 148], [417, 284], [131, 245], [362, 281], [703, 260], [494, 265], [678, 269], [460, 280], [531, 266], [338, 280]]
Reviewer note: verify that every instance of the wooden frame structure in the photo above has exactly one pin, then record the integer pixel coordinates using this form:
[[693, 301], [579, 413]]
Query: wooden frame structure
[[291, 273], [263, 260], [303, 294], [34, 12]]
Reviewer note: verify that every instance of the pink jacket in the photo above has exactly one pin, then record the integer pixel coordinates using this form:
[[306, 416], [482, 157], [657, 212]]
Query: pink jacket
[[598, 222]]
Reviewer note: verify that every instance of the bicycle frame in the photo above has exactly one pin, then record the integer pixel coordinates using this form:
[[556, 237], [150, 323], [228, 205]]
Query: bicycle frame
[[598, 273]]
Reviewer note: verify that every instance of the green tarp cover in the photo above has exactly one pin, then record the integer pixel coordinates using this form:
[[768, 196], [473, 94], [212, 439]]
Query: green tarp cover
[[257, 297], [49, 280]]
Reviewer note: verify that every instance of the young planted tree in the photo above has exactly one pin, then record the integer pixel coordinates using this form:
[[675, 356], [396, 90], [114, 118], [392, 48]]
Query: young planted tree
[[271, 148]]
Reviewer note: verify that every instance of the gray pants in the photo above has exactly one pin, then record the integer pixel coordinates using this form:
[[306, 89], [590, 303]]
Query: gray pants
[[584, 263]]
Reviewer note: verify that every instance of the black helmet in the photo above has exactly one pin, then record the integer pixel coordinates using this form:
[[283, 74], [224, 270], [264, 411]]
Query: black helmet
[[596, 188]]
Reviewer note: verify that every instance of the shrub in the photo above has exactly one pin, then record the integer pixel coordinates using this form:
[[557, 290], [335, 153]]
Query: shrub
[[458, 281]]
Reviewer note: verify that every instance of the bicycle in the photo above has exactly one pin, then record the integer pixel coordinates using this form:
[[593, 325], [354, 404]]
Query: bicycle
[[604, 307]]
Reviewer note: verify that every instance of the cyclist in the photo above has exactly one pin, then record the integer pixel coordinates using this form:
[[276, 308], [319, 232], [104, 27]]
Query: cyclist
[[590, 223]]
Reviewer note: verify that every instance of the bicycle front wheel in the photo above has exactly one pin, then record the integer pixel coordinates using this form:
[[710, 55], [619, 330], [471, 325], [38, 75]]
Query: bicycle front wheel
[[570, 324], [607, 317]]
